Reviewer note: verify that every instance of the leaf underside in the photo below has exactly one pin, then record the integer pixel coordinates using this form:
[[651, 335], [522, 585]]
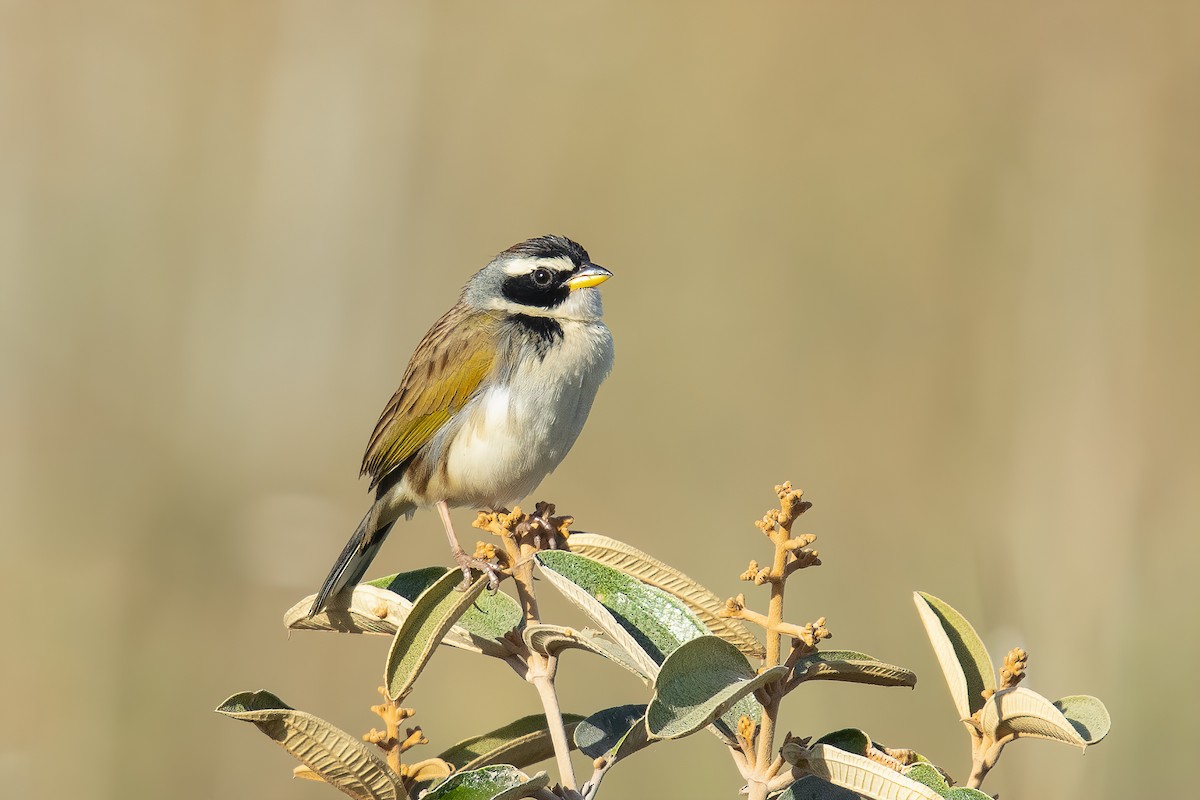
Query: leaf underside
[[339, 758], [857, 773], [380, 607], [1023, 712], [960, 652], [852, 667], [551, 640], [432, 616]]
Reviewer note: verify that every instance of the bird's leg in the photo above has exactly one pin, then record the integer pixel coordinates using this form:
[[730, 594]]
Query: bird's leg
[[466, 562]]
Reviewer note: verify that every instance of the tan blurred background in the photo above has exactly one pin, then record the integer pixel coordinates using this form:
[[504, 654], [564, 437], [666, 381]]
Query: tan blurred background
[[934, 262]]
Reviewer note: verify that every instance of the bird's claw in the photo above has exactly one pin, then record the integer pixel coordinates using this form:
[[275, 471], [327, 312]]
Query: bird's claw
[[467, 563]]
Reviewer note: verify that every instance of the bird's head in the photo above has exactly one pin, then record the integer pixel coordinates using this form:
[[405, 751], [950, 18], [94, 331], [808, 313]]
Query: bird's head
[[550, 276]]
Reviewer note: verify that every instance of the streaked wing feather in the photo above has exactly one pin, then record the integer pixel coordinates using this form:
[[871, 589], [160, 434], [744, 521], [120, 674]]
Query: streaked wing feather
[[445, 371]]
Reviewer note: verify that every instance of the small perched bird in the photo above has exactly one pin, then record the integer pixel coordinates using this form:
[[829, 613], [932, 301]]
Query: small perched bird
[[493, 398]]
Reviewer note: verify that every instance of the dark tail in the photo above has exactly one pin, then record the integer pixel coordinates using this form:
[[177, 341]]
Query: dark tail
[[356, 556]]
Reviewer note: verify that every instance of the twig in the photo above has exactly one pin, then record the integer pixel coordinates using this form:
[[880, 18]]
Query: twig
[[544, 683], [516, 531]]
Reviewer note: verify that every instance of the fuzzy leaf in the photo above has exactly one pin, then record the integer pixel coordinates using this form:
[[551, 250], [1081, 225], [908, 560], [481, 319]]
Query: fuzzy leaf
[[550, 640], [966, 793], [424, 774], [432, 616], [699, 682], [339, 758], [381, 606], [927, 774], [645, 621], [965, 661], [810, 787], [498, 782], [703, 603], [520, 743], [1024, 712], [852, 740], [852, 667], [1087, 716], [603, 732], [854, 772]]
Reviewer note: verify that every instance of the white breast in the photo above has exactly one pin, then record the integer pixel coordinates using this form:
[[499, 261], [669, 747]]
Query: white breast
[[514, 435]]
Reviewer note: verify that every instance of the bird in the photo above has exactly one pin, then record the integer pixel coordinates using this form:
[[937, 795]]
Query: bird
[[493, 398]]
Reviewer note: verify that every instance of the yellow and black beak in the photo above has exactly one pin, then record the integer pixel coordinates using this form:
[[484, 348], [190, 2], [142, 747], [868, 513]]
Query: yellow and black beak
[[588, 275]]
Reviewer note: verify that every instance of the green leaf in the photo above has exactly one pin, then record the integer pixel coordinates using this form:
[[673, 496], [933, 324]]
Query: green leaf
[[647, 622], [381, 606], [698, 682], [1021, 712], [704, 604], [857, 773], [491, 617], [498, 782], [927, 775], [341, 759], [966, 793], [520, 743], [852, 740], [810, 787], [409, 585], [432, 615], [605, 731], [1087, 716], [550, 640], [960, 651], [852, 667]]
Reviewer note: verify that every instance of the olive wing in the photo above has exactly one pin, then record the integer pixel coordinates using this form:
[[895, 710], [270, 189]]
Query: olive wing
[[445, 371]]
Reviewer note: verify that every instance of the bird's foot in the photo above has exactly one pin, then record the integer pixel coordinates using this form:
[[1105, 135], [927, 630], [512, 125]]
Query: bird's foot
[[468, 562]]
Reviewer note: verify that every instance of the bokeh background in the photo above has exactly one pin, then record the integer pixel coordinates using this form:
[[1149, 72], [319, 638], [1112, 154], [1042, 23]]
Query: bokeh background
[[936, 263]]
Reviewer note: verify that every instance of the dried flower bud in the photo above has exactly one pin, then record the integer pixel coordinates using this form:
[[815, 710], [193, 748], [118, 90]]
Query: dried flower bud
[[746, 728], [735, 605], [1013, 671]]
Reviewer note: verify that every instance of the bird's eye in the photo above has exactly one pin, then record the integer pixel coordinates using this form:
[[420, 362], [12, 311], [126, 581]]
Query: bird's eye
[[542, 277]]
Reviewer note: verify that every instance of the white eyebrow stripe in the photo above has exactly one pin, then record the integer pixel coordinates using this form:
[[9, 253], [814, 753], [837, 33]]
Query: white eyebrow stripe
[[524, 266]]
